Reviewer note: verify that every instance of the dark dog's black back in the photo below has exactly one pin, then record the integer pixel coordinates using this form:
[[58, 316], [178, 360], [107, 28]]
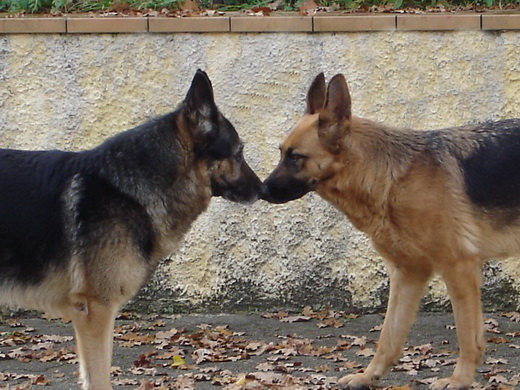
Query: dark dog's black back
[[80, 232], [35, 196], [31, 230]]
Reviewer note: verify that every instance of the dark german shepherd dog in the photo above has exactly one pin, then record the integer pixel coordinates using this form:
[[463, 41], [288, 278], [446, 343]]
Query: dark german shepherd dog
[[80, 233], [432, 202]]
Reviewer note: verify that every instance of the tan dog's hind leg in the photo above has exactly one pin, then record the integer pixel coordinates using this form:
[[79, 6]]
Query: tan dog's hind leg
[[407, 286], [94, 328], [464, 280]]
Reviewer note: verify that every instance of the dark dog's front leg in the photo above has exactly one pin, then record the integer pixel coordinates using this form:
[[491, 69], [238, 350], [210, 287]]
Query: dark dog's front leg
[[94, 328], [406, 289]]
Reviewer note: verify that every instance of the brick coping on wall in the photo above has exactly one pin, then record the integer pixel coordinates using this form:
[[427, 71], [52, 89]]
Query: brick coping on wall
[[279, 23]]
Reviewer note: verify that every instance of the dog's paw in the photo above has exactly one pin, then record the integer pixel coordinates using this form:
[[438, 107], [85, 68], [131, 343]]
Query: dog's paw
[[355, 382], [449, 384]]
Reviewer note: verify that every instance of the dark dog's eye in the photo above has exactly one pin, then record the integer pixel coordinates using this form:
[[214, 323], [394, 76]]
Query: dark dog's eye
[[239, 157]]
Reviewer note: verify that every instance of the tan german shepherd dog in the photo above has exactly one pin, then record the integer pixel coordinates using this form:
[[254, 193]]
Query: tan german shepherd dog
[[431, 201]]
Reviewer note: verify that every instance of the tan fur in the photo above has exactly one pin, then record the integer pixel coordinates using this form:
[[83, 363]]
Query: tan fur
[[410, 200]]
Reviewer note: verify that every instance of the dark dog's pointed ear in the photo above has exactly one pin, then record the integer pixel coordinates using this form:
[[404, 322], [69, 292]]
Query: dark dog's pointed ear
[[200, 95], [335, 117], [316, 95]]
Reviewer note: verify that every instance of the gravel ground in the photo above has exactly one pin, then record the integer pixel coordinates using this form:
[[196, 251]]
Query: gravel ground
[[250, 351]]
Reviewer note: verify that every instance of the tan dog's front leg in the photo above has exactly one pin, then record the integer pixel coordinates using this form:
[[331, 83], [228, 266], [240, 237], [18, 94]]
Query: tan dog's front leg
[[94, 328], [464, 280], [406, 288]]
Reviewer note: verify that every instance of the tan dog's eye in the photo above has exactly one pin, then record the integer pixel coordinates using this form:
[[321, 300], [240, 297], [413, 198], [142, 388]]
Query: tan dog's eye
[[295, 157]]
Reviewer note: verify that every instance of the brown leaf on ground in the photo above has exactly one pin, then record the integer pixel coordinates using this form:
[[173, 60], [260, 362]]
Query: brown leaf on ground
[[513, 316], [330, 322], [145, 385], [266, 11], [295, 319], [189, 6], [309, 7]]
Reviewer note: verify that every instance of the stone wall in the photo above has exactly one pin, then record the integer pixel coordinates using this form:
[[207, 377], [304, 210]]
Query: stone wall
[[73, 91]]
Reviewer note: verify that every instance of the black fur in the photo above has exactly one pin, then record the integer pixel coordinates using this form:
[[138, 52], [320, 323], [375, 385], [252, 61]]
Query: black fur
[[492, 171], [113, 178], [80, 232], [31, 213]]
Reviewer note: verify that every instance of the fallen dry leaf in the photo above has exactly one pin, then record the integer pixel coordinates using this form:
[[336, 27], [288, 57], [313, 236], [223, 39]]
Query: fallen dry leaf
[[295, 319], [308, 7]]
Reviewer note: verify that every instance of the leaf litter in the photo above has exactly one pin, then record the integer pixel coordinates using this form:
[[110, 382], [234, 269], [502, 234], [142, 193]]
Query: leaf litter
[[160, 355]]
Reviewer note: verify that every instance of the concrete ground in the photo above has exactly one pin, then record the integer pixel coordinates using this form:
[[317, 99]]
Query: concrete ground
[[231, 351]]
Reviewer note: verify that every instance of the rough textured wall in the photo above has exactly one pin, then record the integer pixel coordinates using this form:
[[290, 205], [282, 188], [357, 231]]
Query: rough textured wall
[[72, 91]]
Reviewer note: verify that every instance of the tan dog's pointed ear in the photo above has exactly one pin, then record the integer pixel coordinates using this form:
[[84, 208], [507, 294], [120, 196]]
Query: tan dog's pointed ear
[[316, 95], [338, 98], [335, 117]]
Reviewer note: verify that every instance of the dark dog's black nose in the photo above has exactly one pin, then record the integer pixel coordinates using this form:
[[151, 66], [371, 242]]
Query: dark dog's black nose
[[264, 192]]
